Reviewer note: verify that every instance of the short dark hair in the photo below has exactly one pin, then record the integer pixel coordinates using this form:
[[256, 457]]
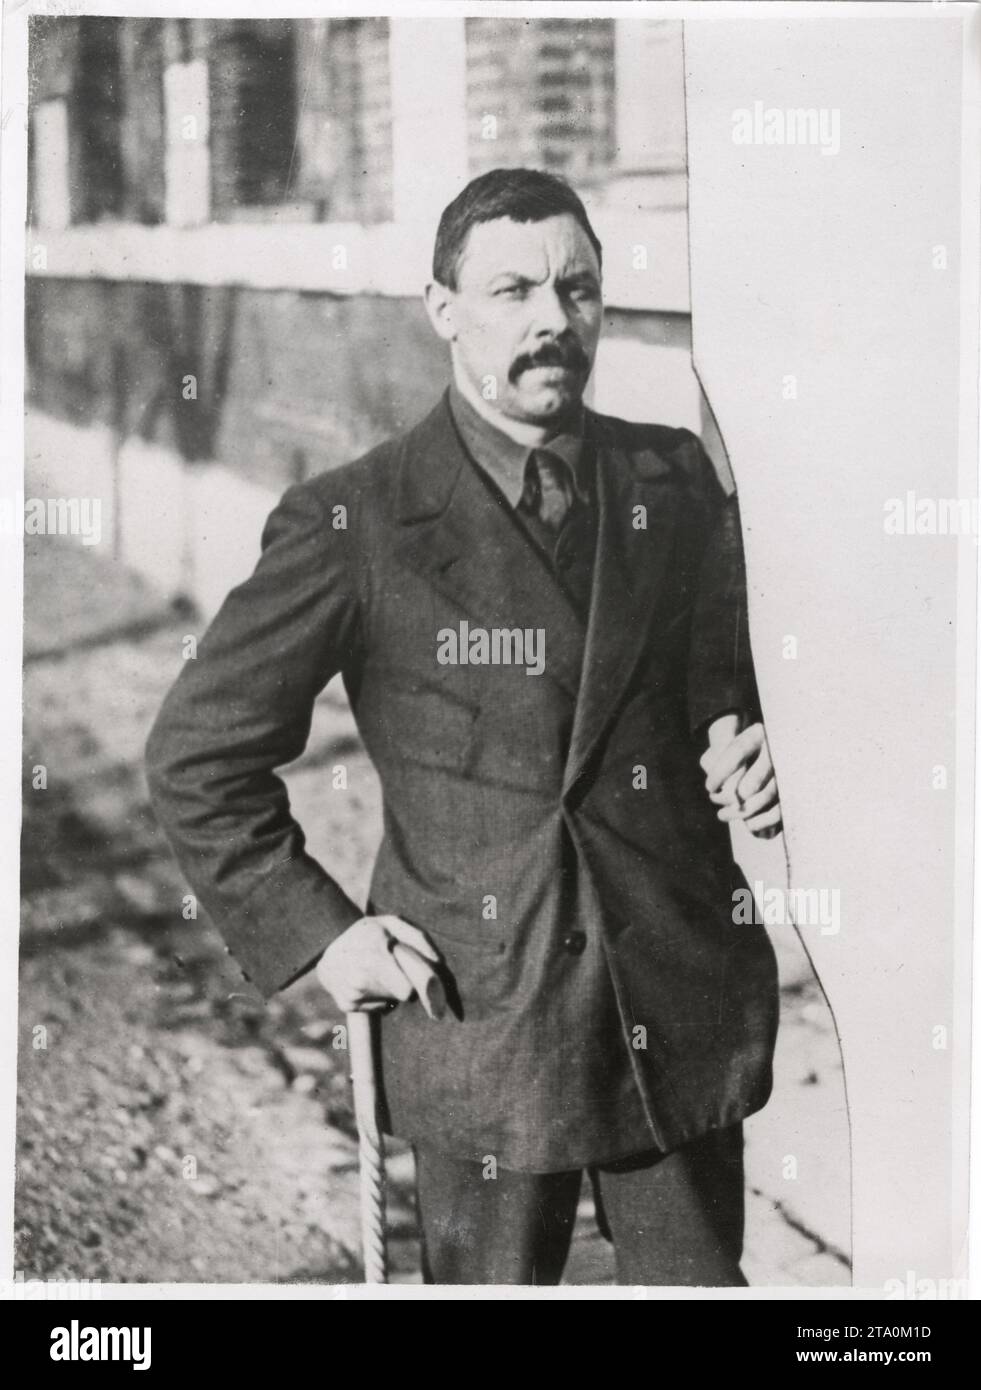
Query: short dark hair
[[524, 195]]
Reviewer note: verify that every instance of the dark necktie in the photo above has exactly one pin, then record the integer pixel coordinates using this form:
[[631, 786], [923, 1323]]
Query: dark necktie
[[562, 522], [549, 489]]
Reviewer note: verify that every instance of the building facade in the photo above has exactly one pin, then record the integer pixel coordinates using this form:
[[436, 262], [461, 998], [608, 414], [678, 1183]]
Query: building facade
[[230, 222]]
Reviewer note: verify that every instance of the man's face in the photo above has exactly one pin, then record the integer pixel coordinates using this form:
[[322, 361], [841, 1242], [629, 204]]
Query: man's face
[[525, 317]]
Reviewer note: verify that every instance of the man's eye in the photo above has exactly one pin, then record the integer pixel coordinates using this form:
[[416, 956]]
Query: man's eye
[[582, 293], [510, 291]]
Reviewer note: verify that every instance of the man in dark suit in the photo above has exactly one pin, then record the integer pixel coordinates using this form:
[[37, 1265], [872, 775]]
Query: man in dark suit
[[540, 617]]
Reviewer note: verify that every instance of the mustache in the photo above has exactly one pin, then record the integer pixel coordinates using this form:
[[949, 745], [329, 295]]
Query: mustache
[[561, 353]]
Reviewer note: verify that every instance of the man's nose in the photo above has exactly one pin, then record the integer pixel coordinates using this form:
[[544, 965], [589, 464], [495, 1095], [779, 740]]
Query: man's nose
[[550, 315]]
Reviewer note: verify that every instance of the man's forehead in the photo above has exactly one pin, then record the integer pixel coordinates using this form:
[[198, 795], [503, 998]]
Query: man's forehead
[[554, 245]]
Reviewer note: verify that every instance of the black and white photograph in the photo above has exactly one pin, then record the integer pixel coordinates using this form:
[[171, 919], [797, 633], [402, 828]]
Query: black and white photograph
[[490, 541]]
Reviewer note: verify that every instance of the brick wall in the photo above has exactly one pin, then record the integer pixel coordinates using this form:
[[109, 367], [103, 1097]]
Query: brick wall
[[540, 91]]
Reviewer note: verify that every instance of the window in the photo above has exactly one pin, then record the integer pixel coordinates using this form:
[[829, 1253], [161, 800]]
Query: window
[[253, 113], [95, 123]]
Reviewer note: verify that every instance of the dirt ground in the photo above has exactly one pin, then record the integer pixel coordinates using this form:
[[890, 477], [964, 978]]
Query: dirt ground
[[171, 1127]]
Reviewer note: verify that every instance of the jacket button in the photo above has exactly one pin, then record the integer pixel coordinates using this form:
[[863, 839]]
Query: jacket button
[[574, 942]]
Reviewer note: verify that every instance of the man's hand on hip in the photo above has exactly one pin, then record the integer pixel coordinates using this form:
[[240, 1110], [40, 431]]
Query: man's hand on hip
[[740, 777], [361, 970]]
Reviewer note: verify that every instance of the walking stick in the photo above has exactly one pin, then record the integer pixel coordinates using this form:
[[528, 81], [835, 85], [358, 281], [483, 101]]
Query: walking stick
[[364, 1077], [371, 1153]]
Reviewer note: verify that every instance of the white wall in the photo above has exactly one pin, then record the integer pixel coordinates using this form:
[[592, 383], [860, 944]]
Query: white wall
[[823, 268]]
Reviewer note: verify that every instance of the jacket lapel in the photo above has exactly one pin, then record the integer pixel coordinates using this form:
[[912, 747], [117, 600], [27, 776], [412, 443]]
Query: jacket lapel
[[459, 536], [629, 569]]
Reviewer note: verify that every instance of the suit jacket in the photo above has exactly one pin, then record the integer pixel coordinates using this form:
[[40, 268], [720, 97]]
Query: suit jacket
[[551, 832]]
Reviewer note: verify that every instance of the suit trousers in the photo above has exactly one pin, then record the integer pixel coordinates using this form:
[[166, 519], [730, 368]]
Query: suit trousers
[[674, 1219]]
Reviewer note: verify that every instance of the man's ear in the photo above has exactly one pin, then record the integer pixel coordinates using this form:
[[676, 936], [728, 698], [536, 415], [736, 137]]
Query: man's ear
[[439, 302]]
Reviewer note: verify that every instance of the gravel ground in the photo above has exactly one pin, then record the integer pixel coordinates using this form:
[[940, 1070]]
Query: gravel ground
[[171, 1127]]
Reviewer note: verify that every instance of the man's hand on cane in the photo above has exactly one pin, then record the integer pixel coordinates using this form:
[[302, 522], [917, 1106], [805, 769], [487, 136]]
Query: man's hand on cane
[[379, 962], [376, 963]]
